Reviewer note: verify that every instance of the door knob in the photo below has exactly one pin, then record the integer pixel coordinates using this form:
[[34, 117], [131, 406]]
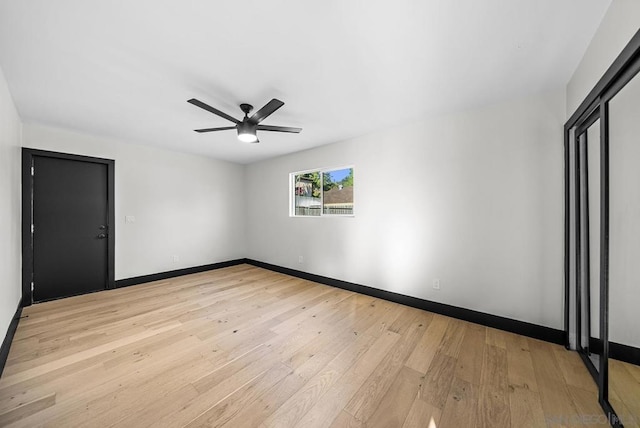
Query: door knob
[[102, 236]]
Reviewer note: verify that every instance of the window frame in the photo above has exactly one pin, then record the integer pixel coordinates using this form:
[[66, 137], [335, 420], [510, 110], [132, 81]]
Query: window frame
[[321, 171]]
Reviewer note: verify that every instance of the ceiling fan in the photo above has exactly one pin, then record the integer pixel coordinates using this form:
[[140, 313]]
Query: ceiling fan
[[247, 128]]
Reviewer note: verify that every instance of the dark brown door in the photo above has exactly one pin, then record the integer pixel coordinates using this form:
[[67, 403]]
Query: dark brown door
[[70, 218]]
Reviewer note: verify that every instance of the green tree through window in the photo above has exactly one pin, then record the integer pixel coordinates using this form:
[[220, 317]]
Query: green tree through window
[[323, 192]]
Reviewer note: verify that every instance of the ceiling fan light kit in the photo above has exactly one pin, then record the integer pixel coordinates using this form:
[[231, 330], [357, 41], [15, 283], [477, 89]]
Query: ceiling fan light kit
[[247, 127], [247, 133]]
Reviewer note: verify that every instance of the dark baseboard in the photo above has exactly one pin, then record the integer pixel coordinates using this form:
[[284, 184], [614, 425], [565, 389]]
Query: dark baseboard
[[617, 351], [8, 339], [514, 326], [178, 272], [626, 353]]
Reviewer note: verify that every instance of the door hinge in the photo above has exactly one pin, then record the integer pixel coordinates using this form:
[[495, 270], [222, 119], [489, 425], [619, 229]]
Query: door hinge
[[31, 286], [33, 228], [33, 171]]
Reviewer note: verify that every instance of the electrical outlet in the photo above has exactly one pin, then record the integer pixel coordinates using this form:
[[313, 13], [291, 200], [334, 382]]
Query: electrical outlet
[[436, 284], [300, 259], [176, 259]]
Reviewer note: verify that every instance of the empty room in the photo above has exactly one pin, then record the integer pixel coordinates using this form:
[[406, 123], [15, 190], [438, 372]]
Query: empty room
[[341, 213]]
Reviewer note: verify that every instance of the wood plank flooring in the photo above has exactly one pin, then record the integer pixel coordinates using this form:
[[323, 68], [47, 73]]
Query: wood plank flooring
[[624, 392], [247, 347]]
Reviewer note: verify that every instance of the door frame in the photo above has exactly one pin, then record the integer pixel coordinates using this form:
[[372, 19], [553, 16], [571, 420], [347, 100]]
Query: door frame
[[27, 215]]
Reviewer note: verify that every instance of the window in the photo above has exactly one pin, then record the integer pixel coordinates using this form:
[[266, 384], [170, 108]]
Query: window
[[322, 192]]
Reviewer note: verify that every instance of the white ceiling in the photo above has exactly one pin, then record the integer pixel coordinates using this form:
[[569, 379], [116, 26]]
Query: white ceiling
[[125, 68]]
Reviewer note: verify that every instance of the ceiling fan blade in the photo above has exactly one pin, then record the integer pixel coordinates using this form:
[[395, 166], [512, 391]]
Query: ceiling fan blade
[[212, 110], [224, 128], [265, 111], [278, 128]]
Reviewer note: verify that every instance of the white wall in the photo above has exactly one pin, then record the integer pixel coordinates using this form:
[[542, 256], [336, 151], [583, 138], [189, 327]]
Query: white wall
[[474, 199], [620, 23], [184, 205], [10, 252]]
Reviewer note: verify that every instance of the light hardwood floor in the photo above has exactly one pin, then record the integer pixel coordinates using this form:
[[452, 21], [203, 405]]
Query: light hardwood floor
[[624, 391], [247, 347]]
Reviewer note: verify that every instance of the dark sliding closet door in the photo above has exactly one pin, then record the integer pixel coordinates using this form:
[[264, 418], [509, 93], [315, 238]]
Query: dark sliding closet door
[[602, 236], [587, 161], [624, 253]]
